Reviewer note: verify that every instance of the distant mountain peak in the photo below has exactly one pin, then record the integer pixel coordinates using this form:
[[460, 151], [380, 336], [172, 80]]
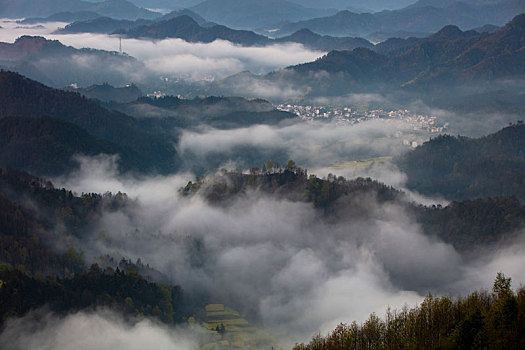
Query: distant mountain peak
[[36, 42], [183, 19], [31, 38], [449, 32], [304, 33], [518, 22]]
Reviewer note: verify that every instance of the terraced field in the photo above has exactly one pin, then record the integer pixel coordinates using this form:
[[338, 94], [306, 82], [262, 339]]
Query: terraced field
[[231, 331]]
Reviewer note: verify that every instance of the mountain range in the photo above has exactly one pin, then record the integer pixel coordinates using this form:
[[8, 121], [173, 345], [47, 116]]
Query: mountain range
[[186, 28], [462, 167], [102, 24], [417, 19], [120, 9], [191, 27], [107, 93], [253, 14], [361, 5], [444, 61], [166, 4], [62, 17], [43, 128], [55, 64], [71, 125]]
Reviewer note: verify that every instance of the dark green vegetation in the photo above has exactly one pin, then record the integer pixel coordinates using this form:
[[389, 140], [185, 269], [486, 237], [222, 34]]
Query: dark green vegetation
[[218, 112], [460, 167], [125, 291], [106, 92], [42, 228], [471, 224], [45, 145], [21, 97], [41, 238], [467, 225], [41, 248], [42, 128], [481, 320], [43, 266]]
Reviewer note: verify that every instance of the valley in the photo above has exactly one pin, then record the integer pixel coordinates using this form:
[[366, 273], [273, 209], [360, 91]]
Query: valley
[[248, 175]]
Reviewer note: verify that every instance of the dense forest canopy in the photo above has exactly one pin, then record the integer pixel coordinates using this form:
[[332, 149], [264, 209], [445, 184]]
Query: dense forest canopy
[[481, 320]]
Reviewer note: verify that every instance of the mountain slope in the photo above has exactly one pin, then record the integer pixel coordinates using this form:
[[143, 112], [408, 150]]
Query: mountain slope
[[325, 43], [101, 25], [253, 14], [425, 19], [184, 27], [193, 28], [63, 17], [459, 167], [120, 9], [46, 146], [106, 92], [364, 5], [449, 58], [21, 97], [58, 65]]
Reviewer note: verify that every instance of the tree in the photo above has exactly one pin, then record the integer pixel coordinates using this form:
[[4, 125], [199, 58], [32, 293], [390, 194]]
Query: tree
[[502, 286]]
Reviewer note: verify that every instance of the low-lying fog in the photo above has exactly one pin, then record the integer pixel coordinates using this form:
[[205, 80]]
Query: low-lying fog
[[176, 57], [273, 259], [277, 260]]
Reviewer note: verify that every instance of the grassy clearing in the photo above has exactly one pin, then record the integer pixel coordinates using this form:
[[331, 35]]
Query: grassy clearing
[[228, 330]]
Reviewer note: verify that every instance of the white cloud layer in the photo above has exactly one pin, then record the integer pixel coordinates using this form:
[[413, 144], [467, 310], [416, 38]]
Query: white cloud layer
[[278, 259], [101, 330], [176, 57]]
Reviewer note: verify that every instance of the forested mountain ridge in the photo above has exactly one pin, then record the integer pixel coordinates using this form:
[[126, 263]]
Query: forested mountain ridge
[[187, 26], [450, 57], [480, 320], [218, 112], [52, 63], [22, 97], [28, 251], [45, 145], [45, 127], [324, 42], [423, 19], [460, 167], [441, 69], [124, 291], [107, 93], [465, 224], [103, 24], [39, 223]]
